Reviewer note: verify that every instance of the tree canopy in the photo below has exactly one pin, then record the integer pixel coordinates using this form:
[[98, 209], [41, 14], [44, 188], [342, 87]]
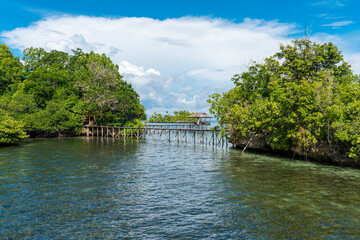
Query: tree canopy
[[55, 93], [177, 116], [304, 98]]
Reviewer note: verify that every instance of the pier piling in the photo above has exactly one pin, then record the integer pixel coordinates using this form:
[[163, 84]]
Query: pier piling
[[182, 135]]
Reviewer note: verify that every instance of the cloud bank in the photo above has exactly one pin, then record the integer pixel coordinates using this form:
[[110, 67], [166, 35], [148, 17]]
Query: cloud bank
[[174, 64]]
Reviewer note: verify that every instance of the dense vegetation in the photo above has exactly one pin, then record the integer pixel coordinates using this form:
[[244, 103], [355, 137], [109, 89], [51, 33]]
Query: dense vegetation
[[55, 93], [304, 99], [178, 116]]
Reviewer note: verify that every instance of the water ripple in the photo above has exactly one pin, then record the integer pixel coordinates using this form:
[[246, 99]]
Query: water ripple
[[80, 188]]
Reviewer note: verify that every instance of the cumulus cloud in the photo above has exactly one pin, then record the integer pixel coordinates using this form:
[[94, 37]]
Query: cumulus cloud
[[172, 63]]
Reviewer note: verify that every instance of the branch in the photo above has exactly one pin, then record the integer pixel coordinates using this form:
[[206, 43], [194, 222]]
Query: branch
[[247, 144]]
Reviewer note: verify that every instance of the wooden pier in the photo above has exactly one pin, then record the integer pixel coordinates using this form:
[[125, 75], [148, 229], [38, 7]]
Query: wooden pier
[[161, 134], [179, 126]]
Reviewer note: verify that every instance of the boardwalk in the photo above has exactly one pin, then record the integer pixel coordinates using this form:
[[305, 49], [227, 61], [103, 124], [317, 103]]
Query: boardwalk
[[160, 134]]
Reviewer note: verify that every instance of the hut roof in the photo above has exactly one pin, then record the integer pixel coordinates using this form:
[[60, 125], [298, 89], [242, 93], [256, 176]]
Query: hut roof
[[199, 115]]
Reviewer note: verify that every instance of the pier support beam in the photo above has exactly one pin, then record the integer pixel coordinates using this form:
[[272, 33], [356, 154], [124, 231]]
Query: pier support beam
[[181, 134]]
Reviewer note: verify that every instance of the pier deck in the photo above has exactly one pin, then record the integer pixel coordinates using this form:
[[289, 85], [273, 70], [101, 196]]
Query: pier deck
[[161, 133]]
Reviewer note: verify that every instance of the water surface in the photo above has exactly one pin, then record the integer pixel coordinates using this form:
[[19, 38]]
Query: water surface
[[95, 188]]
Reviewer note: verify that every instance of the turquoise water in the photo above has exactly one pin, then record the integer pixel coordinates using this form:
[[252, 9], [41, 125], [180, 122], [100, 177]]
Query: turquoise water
[[94, 188]]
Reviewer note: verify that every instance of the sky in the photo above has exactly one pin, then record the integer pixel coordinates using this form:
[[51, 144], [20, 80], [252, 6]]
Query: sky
[[176, 53]]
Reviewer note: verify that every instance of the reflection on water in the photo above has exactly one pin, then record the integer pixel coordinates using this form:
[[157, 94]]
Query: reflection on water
[[106, 188]]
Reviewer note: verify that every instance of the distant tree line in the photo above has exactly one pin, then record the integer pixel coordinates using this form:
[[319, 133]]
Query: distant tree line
[[177, 116], [304, 99], [56, 93]]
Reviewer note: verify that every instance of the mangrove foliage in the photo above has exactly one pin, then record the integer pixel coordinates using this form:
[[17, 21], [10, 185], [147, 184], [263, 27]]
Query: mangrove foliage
[[177, 116], [55, 93], [303, 99]]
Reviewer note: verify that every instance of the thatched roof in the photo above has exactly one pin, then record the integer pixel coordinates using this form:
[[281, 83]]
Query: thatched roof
[[199, 115]]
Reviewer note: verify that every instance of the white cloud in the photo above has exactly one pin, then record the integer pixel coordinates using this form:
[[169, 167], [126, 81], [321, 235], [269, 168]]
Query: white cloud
[[137, 75], [338, 24], [330, 3], [354, 60], [329, 16], [172, 63]]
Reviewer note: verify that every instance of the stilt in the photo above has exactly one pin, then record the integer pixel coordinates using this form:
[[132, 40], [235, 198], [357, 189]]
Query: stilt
[[213, 137], [182, 131]]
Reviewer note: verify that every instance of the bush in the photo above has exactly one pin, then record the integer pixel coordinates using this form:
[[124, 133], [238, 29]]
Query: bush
[[11, 131]]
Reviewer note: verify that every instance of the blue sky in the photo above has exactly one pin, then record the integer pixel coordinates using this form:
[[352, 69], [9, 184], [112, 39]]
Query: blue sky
[[176, 53], [315, 13]]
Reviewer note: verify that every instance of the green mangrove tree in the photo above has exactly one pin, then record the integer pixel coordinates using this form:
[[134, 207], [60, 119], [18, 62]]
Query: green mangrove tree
[[56, 93], [303, 99]]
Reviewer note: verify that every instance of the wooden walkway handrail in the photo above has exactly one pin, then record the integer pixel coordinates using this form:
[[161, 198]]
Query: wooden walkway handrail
[[203, 136], [147, 128]]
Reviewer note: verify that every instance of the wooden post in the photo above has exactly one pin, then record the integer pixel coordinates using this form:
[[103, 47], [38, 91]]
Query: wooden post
[[187, 136], [113, 132], [87, 131], [169, 135], [213, 137], [124, 133], [178, 136], [102, 131]]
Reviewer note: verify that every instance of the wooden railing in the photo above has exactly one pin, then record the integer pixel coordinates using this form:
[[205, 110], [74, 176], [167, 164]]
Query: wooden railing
[[159, 133]]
